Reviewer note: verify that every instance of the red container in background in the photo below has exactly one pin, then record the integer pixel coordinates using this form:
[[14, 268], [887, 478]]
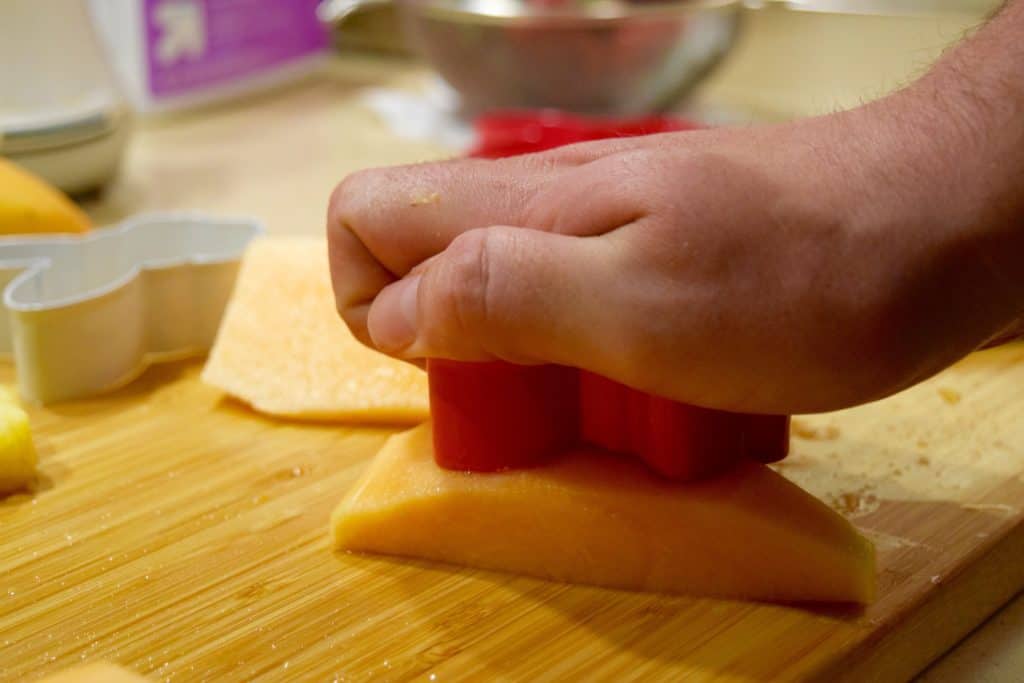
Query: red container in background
[[510, 133]]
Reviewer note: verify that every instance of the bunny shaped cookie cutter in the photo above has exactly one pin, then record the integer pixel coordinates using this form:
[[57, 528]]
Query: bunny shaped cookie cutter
[[86, 314]]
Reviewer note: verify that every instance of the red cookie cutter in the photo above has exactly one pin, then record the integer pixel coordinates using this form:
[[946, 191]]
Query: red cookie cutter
[[496, 416]]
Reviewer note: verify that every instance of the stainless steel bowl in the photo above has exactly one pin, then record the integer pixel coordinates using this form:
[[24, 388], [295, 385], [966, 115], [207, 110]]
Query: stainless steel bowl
[[587, 56]]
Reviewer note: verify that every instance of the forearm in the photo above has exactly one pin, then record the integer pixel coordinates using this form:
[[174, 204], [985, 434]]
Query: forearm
[[950, 148], [932, 182], [978, 88]]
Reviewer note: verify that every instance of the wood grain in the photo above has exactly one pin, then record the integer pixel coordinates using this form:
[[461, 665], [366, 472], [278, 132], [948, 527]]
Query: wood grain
[[184, 537]]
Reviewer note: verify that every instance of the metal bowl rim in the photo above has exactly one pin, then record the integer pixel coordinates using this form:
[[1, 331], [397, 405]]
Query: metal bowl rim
[[600, 11]]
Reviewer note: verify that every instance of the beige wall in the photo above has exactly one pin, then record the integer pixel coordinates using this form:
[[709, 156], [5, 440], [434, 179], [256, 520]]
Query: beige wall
[[794, 63]]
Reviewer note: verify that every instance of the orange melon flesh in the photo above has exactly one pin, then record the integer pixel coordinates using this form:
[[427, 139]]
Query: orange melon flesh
[[592, 517], [283, 349]]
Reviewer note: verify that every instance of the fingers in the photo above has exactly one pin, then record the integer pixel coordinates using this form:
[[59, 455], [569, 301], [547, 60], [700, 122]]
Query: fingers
[[356, 276], [383, 223], [506, 293], [405, 214]]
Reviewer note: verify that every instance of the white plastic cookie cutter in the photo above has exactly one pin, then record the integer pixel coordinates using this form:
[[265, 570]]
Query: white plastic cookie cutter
[[87, 314]]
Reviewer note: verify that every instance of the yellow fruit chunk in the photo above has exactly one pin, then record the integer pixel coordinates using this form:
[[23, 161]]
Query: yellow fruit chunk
[[17, 453], [282, 348], [100, 672], [28, 205], [595, 518]]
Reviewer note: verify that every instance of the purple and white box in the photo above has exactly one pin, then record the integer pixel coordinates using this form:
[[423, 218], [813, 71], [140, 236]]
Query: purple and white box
[[175, 53]]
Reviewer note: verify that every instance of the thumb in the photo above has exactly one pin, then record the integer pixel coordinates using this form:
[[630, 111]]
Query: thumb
[[514, 294]]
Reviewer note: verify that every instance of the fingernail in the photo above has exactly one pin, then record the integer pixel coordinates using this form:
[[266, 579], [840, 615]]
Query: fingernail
[[392, 320]]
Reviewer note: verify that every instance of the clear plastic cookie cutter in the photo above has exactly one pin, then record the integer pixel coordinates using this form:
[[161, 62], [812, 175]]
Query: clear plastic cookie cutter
[[86, 314]]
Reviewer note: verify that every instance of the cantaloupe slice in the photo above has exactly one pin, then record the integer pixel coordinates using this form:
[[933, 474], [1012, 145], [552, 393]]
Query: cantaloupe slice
[[595, 518], [282, 348]]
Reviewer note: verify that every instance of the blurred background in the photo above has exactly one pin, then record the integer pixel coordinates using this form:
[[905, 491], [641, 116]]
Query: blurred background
[[155, 104]]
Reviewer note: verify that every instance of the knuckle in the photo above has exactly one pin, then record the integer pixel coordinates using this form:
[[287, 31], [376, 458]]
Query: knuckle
[[348, 202], [356, 321], [597, 195], [470, 272], [541, 163], [640, 178], [464, 289]]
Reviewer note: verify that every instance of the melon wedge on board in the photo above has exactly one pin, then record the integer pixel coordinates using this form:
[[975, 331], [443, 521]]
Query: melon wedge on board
[[595, 518], [283, 350]]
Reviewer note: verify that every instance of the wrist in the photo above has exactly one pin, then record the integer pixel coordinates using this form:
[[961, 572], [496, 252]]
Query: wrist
[[937, 209]]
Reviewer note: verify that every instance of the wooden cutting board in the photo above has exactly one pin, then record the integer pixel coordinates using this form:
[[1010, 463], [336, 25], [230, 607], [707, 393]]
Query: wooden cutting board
[[184, 537]]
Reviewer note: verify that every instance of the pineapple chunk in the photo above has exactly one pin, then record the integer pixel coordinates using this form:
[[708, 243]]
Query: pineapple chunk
[[17, 453]]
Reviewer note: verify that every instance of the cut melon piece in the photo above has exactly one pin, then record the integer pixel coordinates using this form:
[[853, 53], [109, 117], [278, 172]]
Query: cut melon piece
[[592, 517], [17, 452], [282, 348]]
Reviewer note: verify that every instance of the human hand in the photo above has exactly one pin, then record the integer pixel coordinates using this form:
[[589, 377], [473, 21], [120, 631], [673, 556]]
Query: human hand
[[793, 268]]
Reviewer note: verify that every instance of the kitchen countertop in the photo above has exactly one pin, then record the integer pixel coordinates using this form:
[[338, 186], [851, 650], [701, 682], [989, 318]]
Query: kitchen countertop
[[277, 156]]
